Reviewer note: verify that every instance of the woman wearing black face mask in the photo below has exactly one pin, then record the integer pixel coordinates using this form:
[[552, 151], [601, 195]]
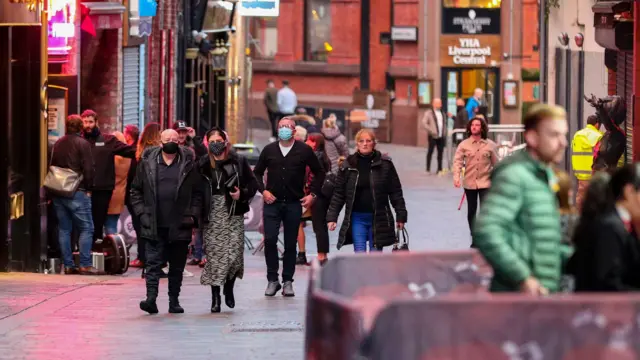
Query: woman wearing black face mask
[[229, 185]]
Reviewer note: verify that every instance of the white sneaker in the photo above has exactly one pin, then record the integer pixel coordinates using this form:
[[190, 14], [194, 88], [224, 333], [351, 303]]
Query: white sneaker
[[186, 273]]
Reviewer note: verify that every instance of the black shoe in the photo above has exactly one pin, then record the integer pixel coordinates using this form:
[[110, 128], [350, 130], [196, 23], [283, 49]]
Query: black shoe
[[174, 306], [287, 289], [149, 306], [301, 259], [323, 261], [215, 299], [272, 288], [229, 299]]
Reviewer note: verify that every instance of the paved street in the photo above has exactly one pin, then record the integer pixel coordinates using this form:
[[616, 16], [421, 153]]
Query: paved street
[[74, 317]]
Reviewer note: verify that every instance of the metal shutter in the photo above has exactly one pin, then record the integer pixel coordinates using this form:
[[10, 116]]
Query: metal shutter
[[624, 88], [131, 87]]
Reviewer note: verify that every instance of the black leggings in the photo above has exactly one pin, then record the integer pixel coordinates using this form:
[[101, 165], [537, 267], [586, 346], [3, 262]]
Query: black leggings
[[319, 221], [472, 203]]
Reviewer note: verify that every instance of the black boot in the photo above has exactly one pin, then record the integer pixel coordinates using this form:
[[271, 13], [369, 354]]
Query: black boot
[[229, 299], [149, 305], [215, 299], [174, 305]]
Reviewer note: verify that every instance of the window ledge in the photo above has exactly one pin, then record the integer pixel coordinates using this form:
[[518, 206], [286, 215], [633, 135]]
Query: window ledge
[[305, 68]]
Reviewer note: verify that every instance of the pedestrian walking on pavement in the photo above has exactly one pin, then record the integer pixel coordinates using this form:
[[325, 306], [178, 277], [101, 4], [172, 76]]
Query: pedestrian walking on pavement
[[117, 198], [229, 186], [150, 138], [582, 149], [607, 248], [286, 162], [271, 104], [335, 144], [321, 204], [104, 148], [166, 195], [477, 155], [73, 152], [518, 227], [367, 183], [301, 259], [434, 121], [287, 100]]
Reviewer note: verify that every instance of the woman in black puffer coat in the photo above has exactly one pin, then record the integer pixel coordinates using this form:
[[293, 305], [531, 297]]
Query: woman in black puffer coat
[[369, 185]]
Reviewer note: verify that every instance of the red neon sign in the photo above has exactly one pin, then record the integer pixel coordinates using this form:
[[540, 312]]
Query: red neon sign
[[62, 29]]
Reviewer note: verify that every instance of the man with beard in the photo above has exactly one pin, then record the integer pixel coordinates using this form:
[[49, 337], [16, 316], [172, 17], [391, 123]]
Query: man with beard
[[167, 198], [103, 150], [518, 228]]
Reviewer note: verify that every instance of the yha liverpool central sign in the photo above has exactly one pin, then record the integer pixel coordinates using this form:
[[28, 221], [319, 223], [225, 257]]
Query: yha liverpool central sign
[[470, 51]]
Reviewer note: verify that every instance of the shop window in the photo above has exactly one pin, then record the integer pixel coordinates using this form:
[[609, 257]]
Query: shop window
[[264, 37], [317, 30], [489, 4]]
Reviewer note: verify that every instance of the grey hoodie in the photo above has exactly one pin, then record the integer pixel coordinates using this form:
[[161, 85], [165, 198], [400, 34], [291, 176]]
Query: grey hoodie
[[335, 146]]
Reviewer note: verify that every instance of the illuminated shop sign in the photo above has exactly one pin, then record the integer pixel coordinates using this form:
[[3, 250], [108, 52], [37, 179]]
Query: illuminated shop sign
[[62, 27]]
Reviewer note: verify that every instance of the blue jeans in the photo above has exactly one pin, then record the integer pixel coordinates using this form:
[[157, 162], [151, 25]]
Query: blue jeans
[[75, 211], [111, 224], [362, 232], [197, 248]]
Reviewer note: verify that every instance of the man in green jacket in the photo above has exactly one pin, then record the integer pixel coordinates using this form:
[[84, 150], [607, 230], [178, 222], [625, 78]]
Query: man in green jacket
[[518, 228]]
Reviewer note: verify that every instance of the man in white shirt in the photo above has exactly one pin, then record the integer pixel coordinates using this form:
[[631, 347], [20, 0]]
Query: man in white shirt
[[287, 100], [434, 121]]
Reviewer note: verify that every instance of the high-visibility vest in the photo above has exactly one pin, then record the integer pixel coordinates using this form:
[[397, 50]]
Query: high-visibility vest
[[582, 151]]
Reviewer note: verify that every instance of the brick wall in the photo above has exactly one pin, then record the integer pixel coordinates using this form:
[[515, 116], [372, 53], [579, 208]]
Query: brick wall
[[101, 73], [611, 83]]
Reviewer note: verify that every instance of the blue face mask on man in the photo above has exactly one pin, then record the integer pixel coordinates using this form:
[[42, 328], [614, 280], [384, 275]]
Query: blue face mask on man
[[285, 133]]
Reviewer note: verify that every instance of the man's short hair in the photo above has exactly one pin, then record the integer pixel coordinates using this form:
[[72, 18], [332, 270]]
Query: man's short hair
[[89, 113], [133, 131], [269, 81], [285, 82], [73, 124], [540, 112], [592, 120]]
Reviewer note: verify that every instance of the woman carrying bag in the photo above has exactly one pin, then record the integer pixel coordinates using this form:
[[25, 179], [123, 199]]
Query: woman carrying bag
[[229, 185], [368, 184]]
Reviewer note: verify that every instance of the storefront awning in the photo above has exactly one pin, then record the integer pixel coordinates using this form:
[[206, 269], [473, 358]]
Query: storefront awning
[[101, 15]]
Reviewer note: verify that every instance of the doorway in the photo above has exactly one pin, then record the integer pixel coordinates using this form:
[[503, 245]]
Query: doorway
[[462, 82]]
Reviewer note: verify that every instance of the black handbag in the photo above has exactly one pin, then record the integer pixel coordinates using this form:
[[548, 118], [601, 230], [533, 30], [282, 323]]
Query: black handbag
[[402, 240], [329, 184]]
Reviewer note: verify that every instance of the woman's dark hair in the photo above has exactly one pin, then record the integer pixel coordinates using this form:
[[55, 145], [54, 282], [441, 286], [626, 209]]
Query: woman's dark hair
[[483, 124], [318, 138], [214, 130], [628, 174]]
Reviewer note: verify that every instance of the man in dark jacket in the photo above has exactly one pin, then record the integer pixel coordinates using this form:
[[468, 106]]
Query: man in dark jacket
[[103, 149], [286, 162], [73, 152], [167, 196]]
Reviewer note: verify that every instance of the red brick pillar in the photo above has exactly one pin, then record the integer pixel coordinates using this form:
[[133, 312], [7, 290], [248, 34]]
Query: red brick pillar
[[636, 83]]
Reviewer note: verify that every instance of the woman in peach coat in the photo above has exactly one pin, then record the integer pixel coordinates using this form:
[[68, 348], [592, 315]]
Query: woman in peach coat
[[117, 199]]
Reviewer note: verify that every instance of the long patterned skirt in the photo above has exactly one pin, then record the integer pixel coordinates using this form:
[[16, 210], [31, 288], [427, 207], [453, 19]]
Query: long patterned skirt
[[223, 245]]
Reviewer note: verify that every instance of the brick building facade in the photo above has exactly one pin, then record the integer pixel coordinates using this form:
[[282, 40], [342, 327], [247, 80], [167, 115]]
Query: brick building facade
[[281, 52]]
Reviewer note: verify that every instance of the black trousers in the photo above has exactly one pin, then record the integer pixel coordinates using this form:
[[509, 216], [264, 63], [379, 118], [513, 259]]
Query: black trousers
[[273, 120], [319, 223], [287, 214], [160, 251], [439, 144], [100, 200], [473, 195], [135, 220]]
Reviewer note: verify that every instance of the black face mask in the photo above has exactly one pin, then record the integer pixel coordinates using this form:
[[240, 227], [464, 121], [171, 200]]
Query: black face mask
[[217, 147], [170, 148]]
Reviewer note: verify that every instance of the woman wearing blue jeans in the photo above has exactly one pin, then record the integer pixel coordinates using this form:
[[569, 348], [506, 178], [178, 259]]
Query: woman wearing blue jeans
[[368, 184]]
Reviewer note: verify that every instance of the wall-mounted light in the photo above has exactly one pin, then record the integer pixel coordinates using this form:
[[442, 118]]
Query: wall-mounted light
[[579, 39], [563, 38]]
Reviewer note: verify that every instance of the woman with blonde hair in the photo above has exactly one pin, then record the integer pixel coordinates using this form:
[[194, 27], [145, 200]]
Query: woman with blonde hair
[[150, 137], [336, 145], [368, 184]]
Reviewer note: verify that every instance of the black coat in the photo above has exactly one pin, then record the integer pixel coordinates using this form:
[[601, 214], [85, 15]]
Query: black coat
[[188, 200], [103, 149], [606, 257], [386, 190], [248, 184]]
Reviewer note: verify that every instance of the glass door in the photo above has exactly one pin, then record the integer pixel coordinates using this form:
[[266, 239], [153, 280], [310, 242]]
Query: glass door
[[462, 83]]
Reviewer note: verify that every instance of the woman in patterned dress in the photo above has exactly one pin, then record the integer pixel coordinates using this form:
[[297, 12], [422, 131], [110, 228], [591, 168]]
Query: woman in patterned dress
[[229, 185]]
